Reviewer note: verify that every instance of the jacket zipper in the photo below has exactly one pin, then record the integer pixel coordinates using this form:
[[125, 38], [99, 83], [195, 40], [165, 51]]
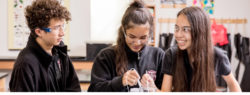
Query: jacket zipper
[[139, 57], [138, 67]]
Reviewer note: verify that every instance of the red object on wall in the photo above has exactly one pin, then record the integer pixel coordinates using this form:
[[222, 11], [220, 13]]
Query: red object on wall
[[219, 34]]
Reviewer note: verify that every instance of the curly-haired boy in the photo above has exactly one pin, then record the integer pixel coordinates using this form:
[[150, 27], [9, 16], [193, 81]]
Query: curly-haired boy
[[43, 65]]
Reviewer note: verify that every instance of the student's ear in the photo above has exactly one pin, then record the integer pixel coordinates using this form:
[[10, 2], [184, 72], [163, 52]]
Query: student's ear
[[38, 32]]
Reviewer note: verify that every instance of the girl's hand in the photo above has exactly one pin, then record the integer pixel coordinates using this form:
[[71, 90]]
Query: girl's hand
[[148, 82], [130, 78]]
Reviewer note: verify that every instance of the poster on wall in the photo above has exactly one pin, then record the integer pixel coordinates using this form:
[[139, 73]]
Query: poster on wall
[[18, 31], [173, 3], [207, 5]]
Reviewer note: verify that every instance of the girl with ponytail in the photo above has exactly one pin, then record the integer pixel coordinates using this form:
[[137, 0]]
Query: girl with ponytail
[[121, 67]]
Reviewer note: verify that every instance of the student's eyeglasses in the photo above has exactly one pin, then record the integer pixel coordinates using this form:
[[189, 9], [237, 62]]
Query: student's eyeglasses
[[55, 28], [133, 39], [183, 29]]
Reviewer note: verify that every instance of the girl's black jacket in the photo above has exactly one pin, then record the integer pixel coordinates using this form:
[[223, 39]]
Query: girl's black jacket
[[104, 76]]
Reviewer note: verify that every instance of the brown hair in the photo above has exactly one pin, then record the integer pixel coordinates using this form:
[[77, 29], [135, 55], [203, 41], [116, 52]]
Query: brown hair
[[136, 14], [40, 12], [203, 77]]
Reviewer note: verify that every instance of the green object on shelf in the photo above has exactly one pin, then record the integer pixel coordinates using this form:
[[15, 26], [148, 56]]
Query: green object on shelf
[[21, 1], [15, 5]]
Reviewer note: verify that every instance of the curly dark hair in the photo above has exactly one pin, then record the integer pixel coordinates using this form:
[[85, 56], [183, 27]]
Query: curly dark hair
[[40, 12]]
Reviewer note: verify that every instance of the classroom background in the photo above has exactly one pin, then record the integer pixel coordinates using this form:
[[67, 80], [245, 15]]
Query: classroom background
[[95, 23]]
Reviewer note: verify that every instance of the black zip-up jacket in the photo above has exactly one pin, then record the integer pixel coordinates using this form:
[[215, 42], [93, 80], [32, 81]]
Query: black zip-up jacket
[[34, 70], [104, 76]]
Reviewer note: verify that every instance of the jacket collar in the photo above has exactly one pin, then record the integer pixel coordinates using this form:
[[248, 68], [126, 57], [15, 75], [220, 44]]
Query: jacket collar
[[137, 55], [43, 57]]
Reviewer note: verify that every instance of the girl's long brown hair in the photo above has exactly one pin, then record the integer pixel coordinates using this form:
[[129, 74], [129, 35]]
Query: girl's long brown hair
[[203, 77], [136, 14]]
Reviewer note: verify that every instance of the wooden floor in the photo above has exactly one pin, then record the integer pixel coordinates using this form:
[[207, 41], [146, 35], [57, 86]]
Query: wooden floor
[[2, 81], [84, 86], [2, 84]]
